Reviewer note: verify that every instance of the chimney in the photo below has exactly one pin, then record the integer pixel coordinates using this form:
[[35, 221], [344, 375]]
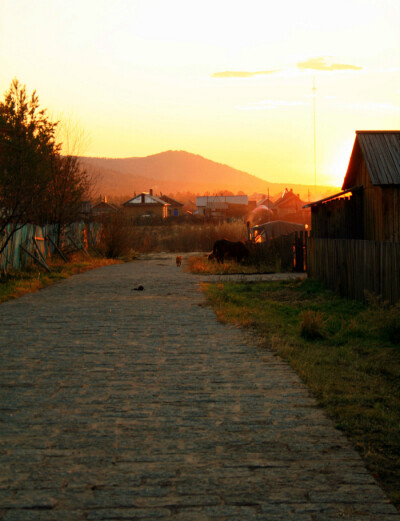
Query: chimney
[[142, 196], [151, 191]]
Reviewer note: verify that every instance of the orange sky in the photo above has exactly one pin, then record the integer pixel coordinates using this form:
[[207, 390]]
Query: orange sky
[[229, 80]]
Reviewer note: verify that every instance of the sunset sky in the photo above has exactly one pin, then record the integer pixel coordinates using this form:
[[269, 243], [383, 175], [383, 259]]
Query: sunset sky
[[231, 81]]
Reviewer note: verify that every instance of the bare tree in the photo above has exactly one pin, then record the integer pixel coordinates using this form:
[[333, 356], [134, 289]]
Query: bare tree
[[68, 185]]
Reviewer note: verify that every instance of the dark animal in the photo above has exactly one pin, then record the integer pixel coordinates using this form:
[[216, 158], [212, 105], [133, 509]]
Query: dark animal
[[224, 249], [178, 261]]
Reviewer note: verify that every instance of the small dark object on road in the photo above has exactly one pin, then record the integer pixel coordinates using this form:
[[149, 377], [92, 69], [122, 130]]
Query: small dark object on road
[[178, 261], [139, 288]]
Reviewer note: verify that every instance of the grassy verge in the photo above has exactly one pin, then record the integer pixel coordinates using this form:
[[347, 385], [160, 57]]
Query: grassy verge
[[17, 283], [202, 266], [347, 353]]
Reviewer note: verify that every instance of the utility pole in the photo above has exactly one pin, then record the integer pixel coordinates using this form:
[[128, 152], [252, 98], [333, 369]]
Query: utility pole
[[315, 134]]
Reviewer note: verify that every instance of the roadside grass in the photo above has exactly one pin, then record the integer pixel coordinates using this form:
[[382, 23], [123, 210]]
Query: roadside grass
[[347, 353], [201, 265], [17, 283]]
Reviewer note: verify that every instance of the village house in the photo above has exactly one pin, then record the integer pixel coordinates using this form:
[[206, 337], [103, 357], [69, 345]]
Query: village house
[[289, 207], [224, 206], [102, 208], [175, 208], [146, 205]]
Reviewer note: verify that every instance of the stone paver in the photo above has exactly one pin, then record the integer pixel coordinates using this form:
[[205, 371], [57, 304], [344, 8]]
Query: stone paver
[[138, 405]]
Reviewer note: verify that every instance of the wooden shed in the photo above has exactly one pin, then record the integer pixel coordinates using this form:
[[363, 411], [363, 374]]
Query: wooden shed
[[375, 166], [355, 237], [368, 207]]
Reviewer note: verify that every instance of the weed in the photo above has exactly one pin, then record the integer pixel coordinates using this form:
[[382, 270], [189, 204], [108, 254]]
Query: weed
[[312, 325], [201, 265]]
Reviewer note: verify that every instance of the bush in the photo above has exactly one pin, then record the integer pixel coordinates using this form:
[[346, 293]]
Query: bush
[[117, 238]]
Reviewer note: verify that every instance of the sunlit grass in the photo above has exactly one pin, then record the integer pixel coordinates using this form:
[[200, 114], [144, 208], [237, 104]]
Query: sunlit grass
[[17, 283], [201, 265], [346, 352]]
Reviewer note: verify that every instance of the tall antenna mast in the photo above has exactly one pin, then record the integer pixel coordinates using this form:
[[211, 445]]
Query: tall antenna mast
[[315, 134]]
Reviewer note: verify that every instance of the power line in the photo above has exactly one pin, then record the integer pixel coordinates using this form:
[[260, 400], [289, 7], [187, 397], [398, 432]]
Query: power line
[[315, 133]]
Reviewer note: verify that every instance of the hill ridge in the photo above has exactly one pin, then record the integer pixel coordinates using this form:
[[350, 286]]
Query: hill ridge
[[174, 171]]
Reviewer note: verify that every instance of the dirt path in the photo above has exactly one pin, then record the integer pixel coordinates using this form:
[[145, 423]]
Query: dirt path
[[119, 404]]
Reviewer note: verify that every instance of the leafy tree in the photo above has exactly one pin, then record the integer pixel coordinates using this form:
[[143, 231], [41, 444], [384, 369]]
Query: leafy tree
[[26, 145], [37, 183]]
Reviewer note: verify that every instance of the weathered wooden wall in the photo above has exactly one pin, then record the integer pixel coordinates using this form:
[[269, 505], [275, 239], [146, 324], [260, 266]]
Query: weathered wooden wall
[[380, 213], [349, 267], [14, 257], [339, 219], [288, 252]]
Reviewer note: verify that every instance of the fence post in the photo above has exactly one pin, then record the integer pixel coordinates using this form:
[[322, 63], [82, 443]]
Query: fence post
[[299, 252]]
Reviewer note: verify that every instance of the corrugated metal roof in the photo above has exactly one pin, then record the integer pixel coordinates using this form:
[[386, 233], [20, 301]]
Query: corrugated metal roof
[[331, 197], [381, 152], [145, 198], [205, 200]]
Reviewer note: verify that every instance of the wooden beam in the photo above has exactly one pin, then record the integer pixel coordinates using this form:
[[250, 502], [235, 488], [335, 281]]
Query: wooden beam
[[60, 252], [36, 259]]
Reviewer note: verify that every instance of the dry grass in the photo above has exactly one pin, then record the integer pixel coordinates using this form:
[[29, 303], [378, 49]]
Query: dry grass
[[346, 352], [185, 237], [312, 325], [18, 283], [201, 265]]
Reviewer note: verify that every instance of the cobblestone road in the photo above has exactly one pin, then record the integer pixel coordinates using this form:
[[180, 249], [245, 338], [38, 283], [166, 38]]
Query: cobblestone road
[[119, 405]]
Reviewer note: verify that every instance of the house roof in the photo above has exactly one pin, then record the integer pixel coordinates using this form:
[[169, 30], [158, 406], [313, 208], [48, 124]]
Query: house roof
[[266, 202], [288, 196], [332, 197], [381, 152], [213, 200], [145, 198], [275, 229], [105, 204], [170, 201]]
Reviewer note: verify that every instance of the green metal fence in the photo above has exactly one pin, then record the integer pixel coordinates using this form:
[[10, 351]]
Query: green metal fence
[[39, 242]]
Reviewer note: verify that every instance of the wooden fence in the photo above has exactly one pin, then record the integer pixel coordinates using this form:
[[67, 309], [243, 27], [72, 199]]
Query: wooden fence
[[34, 243], [351, 267], [289, 252]]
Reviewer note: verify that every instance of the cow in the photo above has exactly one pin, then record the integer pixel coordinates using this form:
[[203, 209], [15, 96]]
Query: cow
[[224, 249]]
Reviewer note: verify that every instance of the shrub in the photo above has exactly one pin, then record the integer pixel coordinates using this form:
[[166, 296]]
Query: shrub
[[117, 237]]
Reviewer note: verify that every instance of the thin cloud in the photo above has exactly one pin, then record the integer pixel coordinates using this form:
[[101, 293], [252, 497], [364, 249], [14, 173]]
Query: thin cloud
[[272, 105], [321, 64], [241, 74], [373, 107]]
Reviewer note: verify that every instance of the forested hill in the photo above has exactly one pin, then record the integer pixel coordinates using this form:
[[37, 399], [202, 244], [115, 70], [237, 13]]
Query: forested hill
[[179, 171]]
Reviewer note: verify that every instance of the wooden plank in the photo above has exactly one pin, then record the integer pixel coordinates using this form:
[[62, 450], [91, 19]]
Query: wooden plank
[[350, 267], [36, 259], [81, 247], [58, 250]]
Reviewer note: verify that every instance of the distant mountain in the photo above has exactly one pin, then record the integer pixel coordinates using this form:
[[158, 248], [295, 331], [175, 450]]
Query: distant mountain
[[179, 171]]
